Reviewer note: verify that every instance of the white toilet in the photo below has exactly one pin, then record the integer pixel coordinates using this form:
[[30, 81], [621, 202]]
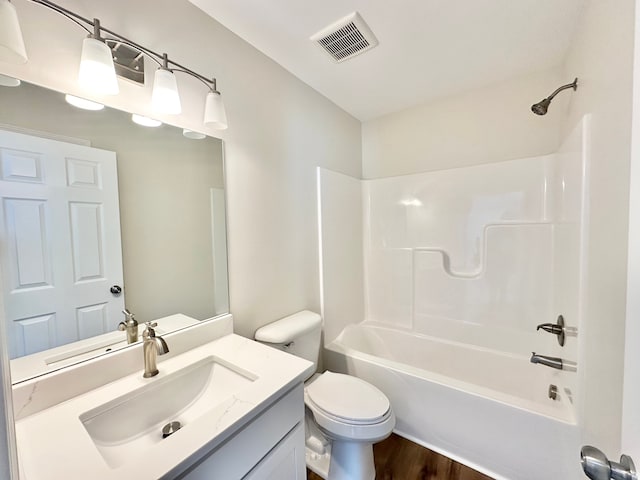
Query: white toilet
[[345, 415]]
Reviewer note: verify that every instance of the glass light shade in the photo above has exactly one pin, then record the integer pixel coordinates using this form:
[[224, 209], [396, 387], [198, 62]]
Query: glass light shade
[[145, 121], [193, 135], [214, 113], [83, 103], [7, 81], [11, 42], [165, 97], [97, 72]]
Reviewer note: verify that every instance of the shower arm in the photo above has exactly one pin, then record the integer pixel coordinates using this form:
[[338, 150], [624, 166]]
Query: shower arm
[[573, 85]]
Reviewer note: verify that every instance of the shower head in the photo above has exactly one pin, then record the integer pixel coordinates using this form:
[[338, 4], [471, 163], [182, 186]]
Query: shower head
[[542, 106]]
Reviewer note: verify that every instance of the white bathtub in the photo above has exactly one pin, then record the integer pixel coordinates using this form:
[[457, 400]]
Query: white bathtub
[[485, 409]]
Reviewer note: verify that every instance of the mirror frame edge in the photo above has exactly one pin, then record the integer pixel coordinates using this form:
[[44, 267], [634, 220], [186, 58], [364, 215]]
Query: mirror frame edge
[[4, 335]]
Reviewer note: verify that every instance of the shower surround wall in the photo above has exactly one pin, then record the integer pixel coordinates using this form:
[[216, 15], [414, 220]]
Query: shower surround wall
[[459, 267], [466, 254]]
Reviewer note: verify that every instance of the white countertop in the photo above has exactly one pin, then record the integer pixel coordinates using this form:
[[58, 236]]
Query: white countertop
[[54, 444]]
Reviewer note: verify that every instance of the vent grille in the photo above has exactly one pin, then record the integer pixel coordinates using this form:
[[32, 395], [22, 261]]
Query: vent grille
[[346, 38], [345, 42]]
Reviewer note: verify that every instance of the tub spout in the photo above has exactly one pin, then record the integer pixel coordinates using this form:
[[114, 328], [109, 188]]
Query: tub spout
[[553, 362]]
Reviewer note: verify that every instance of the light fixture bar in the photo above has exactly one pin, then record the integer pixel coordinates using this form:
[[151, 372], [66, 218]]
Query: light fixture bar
[[157, 57], [128, 61], [164, 81]]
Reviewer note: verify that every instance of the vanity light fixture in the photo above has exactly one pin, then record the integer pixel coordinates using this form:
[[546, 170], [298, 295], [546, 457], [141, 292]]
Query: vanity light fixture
[[165, 97], [145, 121], [12, 48], [97, 70], [214, 111], [83, 103]]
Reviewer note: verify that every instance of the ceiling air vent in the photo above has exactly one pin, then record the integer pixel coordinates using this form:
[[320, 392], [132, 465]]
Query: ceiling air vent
[[346, 38]]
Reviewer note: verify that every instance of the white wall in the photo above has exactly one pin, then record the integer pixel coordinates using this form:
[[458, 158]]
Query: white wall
[[342, 269], [486, 125], [602, 57], [280, 130], [631, 396]]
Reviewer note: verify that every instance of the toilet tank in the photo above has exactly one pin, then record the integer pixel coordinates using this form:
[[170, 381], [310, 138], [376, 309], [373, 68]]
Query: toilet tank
[[298, 334]]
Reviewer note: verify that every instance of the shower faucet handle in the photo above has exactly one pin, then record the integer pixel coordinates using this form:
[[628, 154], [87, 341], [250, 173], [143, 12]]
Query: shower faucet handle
[[555, 328], [550, 327]]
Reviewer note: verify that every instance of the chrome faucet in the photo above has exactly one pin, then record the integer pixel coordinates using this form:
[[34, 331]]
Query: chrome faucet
[[151, 348], [130, 324], [553, 362]]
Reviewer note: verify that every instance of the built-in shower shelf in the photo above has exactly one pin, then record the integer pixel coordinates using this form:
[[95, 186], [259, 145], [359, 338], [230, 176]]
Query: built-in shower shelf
[[492, 236]]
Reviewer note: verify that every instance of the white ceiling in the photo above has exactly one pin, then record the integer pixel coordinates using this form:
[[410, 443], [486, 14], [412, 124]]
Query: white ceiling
[[428, 48]]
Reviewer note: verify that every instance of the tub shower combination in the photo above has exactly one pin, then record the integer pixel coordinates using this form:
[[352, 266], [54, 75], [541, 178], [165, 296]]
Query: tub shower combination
[[454, 279]]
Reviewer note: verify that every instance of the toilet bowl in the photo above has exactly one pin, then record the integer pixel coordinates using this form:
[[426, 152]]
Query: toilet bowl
[[353, 415], [345, 415]]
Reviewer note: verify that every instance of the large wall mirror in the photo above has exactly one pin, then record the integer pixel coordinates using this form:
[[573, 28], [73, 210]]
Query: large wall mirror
[[99, 214]]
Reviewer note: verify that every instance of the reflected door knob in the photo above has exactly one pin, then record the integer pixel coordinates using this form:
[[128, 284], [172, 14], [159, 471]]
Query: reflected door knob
[[116, 289], [597, 467]]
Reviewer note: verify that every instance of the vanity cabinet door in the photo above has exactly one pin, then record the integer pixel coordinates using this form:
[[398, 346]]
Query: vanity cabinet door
[[271, 446], [285, 461]]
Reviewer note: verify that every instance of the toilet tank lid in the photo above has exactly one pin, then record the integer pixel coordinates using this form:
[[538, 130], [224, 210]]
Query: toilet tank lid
[[289, 328]]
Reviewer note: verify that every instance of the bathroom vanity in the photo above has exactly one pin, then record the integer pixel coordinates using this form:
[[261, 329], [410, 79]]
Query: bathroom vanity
[[240, 405]]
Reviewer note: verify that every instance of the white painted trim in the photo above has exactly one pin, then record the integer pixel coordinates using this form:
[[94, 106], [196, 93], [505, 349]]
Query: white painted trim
[[320, 258], [47, 135], [631, 389], [219, 250]]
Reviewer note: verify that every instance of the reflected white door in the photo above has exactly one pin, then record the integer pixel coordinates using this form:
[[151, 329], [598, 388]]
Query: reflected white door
[[60, 241]]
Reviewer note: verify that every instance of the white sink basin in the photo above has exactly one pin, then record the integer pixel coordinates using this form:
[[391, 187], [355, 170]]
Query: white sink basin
[[133, 422]]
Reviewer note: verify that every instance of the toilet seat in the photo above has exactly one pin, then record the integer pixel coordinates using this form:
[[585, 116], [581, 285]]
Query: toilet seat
[[348, 408], [348, 399]]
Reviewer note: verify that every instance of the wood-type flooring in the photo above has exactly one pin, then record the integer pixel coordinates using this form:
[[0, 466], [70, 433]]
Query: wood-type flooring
[[397, 458]]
